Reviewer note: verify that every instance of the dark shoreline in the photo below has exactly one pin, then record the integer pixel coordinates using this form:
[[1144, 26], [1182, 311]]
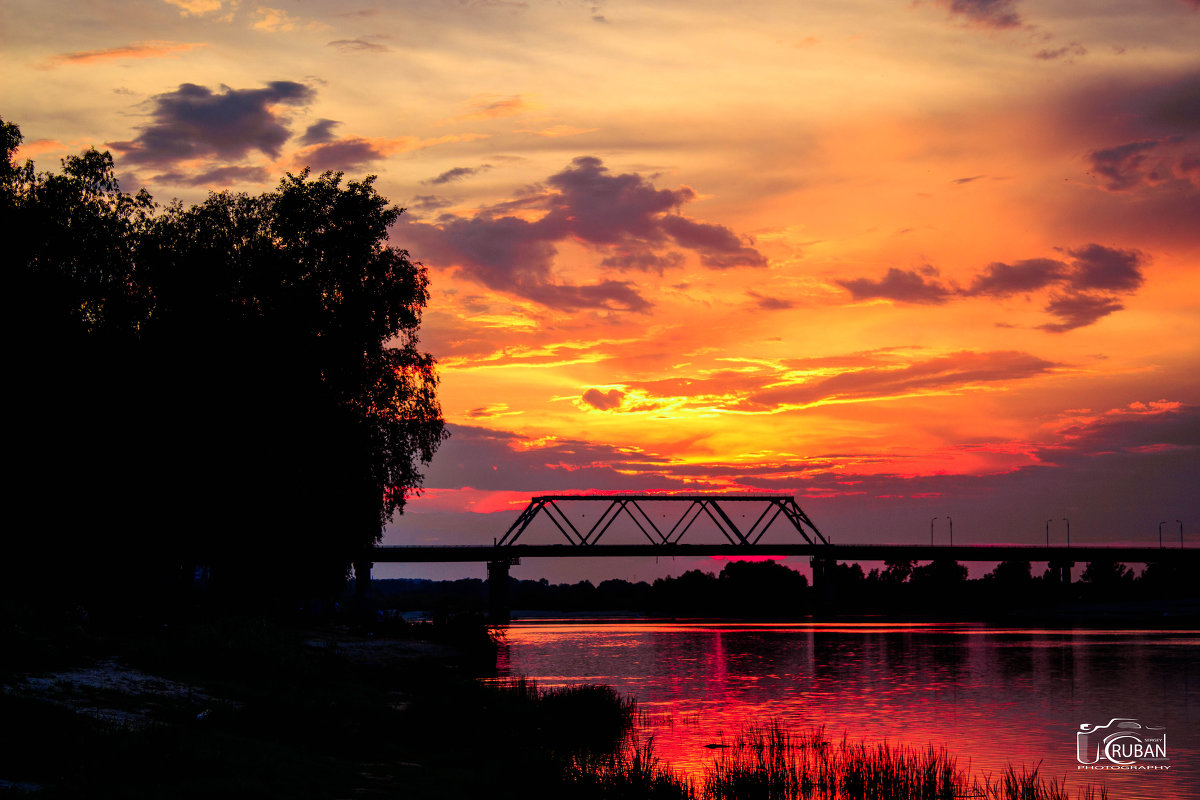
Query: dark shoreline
[[250, 707]]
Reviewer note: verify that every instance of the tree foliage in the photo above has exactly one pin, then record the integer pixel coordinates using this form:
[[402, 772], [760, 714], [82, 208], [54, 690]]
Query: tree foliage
[[235, 384]]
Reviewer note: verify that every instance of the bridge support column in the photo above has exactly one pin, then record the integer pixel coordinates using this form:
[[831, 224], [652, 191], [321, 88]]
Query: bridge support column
[[824, 571], [1060, 572], [497, 583]]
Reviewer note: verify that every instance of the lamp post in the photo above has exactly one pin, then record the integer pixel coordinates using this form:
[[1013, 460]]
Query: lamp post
[[931, 531], [1068, 530], [1048, 532], [1164, 522], [1180, 533], [951, 530]]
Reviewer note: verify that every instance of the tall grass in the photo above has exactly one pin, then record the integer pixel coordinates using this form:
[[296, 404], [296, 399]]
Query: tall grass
[[633, 771], [560, 719], [769, 762]]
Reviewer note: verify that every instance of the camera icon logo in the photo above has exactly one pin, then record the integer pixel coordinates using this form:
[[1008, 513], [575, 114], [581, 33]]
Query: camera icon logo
[[1122, 741]]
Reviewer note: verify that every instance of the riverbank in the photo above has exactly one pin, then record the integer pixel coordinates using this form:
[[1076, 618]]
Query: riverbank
[[244, 707]]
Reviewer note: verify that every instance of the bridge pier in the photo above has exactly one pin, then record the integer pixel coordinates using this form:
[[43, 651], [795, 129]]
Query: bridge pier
[[824, 571], [497, 583], [1060, 571]]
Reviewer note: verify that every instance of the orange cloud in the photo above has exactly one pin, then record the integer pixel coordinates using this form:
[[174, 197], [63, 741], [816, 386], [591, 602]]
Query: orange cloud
[[490, 106], [155, 49], [557, 131], [39, 146], [273, 19], [196, 7]]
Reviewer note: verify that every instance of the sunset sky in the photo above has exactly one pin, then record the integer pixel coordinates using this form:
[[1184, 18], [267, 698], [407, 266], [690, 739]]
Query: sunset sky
[[897, 259]]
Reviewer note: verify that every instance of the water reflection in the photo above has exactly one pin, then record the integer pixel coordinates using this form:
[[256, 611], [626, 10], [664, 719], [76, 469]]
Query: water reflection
[[991, 696]]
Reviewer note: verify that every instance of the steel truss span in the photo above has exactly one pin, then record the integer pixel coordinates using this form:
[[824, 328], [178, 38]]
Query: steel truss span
[[695, 506]]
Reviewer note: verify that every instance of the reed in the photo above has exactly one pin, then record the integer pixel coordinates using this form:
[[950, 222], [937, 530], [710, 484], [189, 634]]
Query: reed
[[587, 717], [632, 771], [769, 762]]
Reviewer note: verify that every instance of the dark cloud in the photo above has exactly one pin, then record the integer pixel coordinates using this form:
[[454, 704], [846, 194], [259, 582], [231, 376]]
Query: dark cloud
[[609, 295], [1099, 268], [1150, 106], [986, 13], [644, 261], [625, 217], [770, 303], [1135, 429], [1088, 283], [999, 279], [1078, 310], [429, 202], [906, 286], [507, 253], [196, 122], [218, 177], [961, 181], [512, 255], [350, 153], [719, 247], [603, 401], [357, 46], [1175, 103], [319, 132], [457, 173], [1072, 49], [1121, 166], [600, 208], [954, 371]]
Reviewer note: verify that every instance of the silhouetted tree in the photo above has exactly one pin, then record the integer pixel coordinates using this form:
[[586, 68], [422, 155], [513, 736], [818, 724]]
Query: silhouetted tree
[[939, 573], [763, 589], [235, 384], [1011, 573], [1106, 575], [695, 591], [1164, 579], [898, 570]]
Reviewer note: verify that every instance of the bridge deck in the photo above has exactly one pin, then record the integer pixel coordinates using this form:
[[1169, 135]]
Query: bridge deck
[[840, 552]]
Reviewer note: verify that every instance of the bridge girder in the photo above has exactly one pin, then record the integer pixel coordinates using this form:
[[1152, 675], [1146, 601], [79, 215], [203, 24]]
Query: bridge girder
[[697, 506]]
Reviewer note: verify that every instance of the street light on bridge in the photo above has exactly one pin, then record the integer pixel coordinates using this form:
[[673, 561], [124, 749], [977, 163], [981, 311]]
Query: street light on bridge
[[1164, 522], [1180, 533], [1048, 532], [1068, 530], [951, 530], [931, 531]]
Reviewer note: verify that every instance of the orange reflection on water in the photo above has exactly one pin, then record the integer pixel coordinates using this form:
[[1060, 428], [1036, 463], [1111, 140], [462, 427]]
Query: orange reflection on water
[[990, 696]]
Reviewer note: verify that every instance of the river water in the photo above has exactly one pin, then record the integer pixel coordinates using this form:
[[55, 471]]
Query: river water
[[991, 696]]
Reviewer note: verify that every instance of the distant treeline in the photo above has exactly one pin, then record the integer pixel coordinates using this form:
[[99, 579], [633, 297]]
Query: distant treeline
[[769, 590]]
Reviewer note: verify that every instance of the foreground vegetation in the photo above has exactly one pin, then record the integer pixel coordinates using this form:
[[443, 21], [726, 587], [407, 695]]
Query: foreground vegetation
[[768, 761]]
